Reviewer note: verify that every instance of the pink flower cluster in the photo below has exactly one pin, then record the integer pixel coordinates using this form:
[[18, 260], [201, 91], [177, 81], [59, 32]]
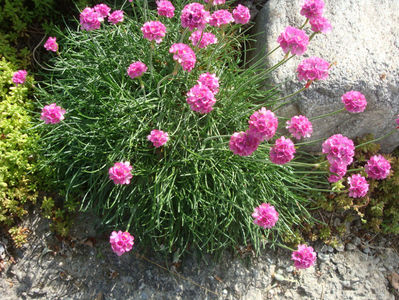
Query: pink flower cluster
[[293, 40], [358, 186], [202, 39], [136, 69], [116, 17], [378, 167], [210, 81], [320, 24], [265, 215], [243, 143], [216, 2], [304, 257], [120, 173], [283, 151], [158, 138], [91, 18], [299, 127], [121, 242], [201, 99], [241, 14], [51, 44], [338, 171], [221, 17], [194, 16], [165, 8], [354, 101], [19, 77], [263, 124], [313, 68], [312, 8], [102, 10], [52, 114], [184, 55], [153, 31]]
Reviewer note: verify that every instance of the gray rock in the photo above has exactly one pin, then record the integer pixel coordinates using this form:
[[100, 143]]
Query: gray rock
[[350, 247], [365, 47]]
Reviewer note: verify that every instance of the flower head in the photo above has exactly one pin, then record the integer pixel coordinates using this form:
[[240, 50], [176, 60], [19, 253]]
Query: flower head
[[202, 39], [313, 68], [241, 14], [102, 10], [210, 81], [52, 114], [136, 69], [120, 173], [299, 127], [338, 170], [154, 30], [51, 44], [378, 167], [339, 149], [90, 19], [358, 186], [116, 17], [293, 40], [221, 17], [158, 137], [263, 123], [304, 257], [194, 16], [165, 8], [312, 8], [243, 143], [19, 77], [355, 102], [201, 99], [265, 215], [282, 151], [121, 242], [320, 24], [184, 55], [216, 2]]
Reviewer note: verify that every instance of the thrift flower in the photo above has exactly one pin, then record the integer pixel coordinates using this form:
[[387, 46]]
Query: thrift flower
[[320, 24], [338, 170], [221, 17], [184, 55], [216, 2], [313, 68], [293, 40], [90, 19], [207, 39], [158, 137], [121, 242], [19, 77], [136, 69], [299, 127], [339, 149], [165, 8], [116, 17], [282, 151], [312, 8], [265, 215], [120, 173], [210, 81], [194, 16], [241, 14], [304, 257], [154, 30], [51, 44], [263, 123], [358, 186], [52, 114], [355, 102], [102, 10], [378, 167], [243, 143], [201, 99]]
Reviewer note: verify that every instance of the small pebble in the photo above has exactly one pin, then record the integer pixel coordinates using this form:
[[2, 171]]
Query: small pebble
[[350, 247]]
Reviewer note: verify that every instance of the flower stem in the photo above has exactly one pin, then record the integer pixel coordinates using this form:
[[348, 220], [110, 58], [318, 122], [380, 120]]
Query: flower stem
[[304, 24], [309, 142], [377, 139], [286, 97], [327, 114]]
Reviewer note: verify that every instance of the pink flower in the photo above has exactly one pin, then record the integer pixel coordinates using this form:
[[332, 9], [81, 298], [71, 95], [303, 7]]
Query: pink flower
[[158, 137], [136, 69], [304, 257], [397, 121], [121, 242], [313, 68], [263, 123], [300, 126], [90, 19], [243, 143], [210, 81], [221, 17], [165, 8], [294, 40], [194, 16], [338, 170], [207, 39], [120, 173], [320, 24], [52, 114], [116, 17], [154, 30], [201, 99], [358, 186], [312, 8], [355, 102], [339, 149], [282, 151], [241, 14], [184, 55], [19, 77], [265, 215], [51, 44], [216, 2], [378, 167], [102, 10]]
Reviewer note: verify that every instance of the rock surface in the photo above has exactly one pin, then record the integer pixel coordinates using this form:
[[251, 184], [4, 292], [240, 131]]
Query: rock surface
[[364, 44]]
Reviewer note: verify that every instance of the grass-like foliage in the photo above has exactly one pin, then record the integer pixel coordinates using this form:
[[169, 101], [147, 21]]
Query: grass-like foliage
[[191, 193]]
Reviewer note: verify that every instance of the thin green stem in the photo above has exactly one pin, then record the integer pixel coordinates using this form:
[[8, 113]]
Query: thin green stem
[[288, 96], [309, 142], [327, 114], [377, 139], [304, 24]]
